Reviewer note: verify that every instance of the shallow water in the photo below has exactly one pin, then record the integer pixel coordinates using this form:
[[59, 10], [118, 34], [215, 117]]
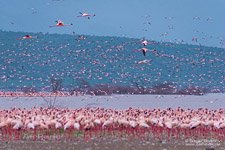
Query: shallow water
[[212, 101]]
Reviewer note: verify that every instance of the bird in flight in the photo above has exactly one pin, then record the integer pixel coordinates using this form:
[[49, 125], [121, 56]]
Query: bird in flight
[[27, 37], [145, 61], [86, 15], [144, 50], [145, 42], [59, 23]]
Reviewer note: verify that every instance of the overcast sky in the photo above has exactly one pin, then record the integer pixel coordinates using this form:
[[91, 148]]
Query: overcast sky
[[166, 20]]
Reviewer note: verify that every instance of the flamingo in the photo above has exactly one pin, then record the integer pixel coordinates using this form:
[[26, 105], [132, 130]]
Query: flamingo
[[144, 50], [76, 126], [86, 15], [184, 125], [196, 18], [89, 125], [217, 124], [87, 119], [153, 120], [169, 124], [30, 125], [43, 125], [209, 19], [145, 61], [18, 124], [97, 121], [58, 125], [123, 122], [107, 123], [3, 124], [193, 124], [143, 124], [133, 123], [69, 124], [59, 23], [27, 37], [222, 125], [145, 42]]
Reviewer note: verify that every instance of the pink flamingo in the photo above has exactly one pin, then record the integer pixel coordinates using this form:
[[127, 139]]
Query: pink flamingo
[[86, 15], [26, 37], [157, 121], [59, 23], [145, 42]]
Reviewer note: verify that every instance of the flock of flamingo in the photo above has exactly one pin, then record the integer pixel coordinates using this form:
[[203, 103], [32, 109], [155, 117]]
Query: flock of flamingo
[[56, 123], [44, 123], [60, 23], [38, 94]]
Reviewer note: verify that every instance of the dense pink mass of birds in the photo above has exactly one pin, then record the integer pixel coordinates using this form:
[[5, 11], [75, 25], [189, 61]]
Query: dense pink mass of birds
[[156, 121]]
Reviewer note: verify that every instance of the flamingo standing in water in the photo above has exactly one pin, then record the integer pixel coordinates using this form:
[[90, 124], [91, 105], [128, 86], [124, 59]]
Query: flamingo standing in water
[[59, 23], [86, 15], [88, 120]]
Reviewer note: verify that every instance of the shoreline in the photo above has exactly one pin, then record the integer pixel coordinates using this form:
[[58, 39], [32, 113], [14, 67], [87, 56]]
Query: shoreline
[[78, 93]]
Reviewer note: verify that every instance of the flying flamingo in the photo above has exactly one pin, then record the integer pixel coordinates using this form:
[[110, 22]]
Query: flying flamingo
[[86, 15], [27, 37], [144, 51], [145, 61], [145, 42], [59, 23], [209, 19]]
